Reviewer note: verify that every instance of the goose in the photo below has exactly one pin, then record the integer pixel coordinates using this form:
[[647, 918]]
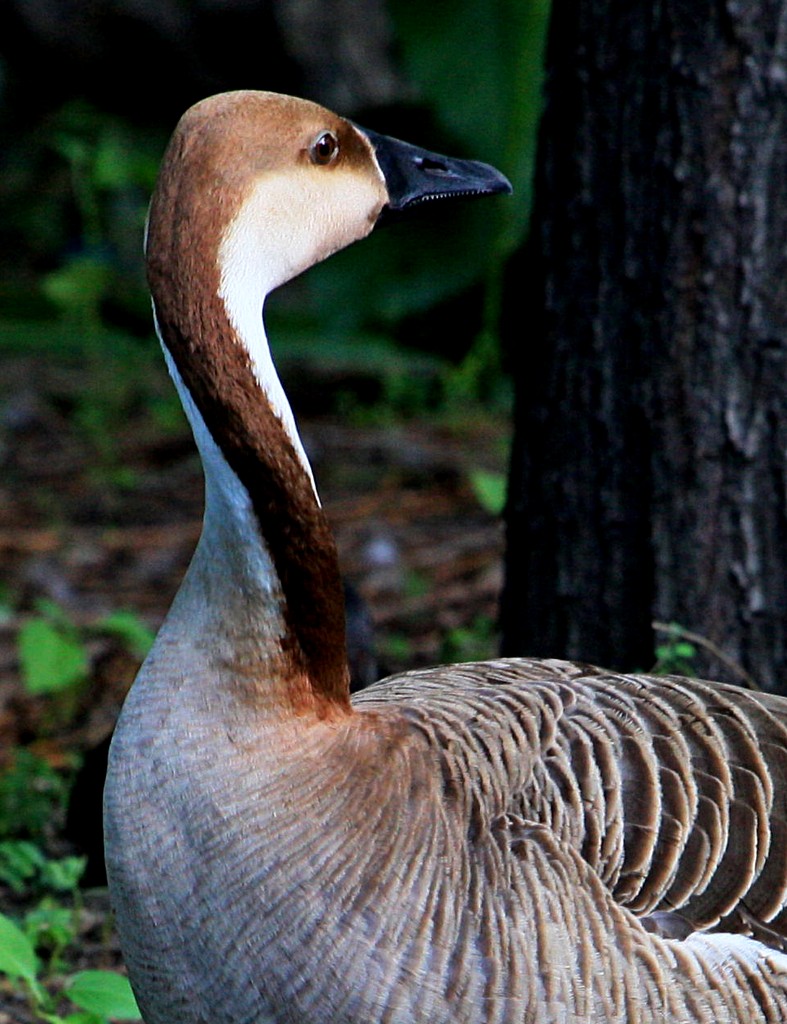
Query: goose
[[506, 842]]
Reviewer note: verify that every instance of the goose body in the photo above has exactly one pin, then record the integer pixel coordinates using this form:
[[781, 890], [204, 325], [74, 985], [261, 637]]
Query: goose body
[[511, 842]]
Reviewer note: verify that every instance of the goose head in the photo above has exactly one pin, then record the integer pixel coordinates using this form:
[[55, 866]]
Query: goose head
[[287, 182]]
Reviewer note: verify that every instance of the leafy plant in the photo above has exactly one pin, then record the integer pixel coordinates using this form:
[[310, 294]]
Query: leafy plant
[[104, 994], [52, 650], [49, 925], [396, 646], [78, 288], [489, 489], [54, 662], [473, 643], [31, 792], [111, 173], [20, 861], [62, 874], [52, 655], [97, 995], [18, 957], [52, 927], [484, 86], [675, 655], [25, 869], [137, 638], [24, 866]]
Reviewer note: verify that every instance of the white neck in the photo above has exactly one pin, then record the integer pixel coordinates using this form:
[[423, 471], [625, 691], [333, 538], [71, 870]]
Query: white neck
[[229, 521], [229, 614]]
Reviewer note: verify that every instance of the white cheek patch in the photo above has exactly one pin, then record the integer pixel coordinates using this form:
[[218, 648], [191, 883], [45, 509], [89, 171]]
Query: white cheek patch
[[244, 304], [289, 222]]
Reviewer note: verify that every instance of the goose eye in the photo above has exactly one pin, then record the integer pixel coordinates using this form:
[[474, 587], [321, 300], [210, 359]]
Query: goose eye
[[324, 149]]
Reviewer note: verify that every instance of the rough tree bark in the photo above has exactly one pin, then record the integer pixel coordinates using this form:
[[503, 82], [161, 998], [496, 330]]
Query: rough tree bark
[[647, 329]]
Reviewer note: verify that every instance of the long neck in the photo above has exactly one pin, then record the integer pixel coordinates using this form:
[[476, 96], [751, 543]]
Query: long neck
[[266, 542]]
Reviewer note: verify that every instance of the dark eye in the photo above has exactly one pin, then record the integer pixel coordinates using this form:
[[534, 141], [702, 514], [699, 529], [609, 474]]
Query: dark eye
[[324, 149]]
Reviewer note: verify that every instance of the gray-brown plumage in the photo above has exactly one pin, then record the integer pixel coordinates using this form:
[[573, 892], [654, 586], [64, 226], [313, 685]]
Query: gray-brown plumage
[[515, 841]]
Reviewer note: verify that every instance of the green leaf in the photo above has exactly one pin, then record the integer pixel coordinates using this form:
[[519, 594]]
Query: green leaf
[[78, 287], [398, 646], [17, 957], [112, 168], [50, 926], [103, 992], [489, 489], [63, 874], [81, 1017], [31, 791], [54, 613], [130, 629], [52, 660], [19, 863]]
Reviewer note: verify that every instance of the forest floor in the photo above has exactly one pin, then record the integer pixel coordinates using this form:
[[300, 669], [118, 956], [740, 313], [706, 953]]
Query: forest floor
[[99, 516]]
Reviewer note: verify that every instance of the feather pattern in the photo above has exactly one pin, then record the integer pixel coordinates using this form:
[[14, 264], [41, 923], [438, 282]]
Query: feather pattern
[[521, 867], [509, 842]]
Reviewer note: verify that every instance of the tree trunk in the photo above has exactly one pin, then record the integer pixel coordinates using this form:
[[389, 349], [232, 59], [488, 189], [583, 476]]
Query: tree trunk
[[649, 469]]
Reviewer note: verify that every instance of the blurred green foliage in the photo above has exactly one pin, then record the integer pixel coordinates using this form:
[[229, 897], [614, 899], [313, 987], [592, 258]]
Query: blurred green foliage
[[73, 196], [478, 642], [482, 82], [54, 658], [74, 190], [24, 865], [32, 793], [490, 490], [99, 995]]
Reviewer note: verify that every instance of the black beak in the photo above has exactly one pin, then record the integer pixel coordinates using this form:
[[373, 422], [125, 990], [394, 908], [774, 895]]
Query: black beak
[[414, 175]]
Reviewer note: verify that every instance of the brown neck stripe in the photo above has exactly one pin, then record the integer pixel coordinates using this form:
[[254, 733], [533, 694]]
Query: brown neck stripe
[[217, 371]]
